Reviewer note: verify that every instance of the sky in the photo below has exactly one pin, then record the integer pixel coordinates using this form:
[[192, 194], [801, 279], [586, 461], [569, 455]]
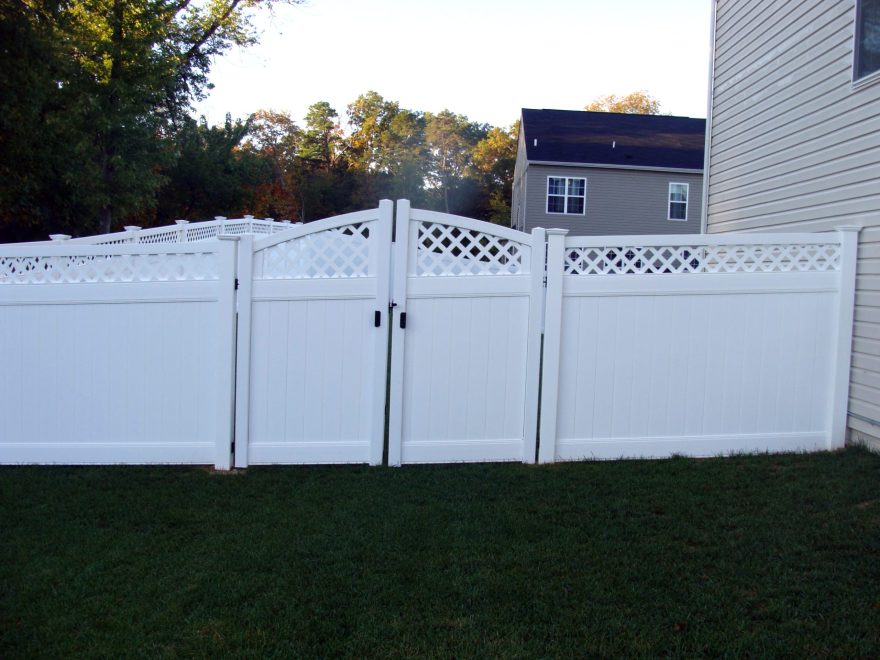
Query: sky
[[485, 59]]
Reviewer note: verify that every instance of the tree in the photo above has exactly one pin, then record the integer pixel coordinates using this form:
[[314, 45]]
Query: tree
[[117, 76], [634, 103], [211, 175], [494, 159], [322, 139], [450, 138]]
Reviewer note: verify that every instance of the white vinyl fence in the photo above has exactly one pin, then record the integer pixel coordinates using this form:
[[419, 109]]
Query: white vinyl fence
[[698, 345], [116, 354], [272, 346]]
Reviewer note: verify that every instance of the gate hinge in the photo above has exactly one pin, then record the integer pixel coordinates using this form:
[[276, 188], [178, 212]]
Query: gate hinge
[[236, 284]]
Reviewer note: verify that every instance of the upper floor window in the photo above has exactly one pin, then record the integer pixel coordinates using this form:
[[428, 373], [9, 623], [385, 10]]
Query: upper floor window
[[566, 195], [867, 46], [678, 201]]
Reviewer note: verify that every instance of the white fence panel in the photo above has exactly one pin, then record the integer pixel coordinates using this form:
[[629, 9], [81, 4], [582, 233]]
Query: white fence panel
[[116, 354], [314, 390], [466, 340], [692, 345]]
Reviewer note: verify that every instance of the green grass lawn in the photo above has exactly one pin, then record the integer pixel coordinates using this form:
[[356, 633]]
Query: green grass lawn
[[759, 556]]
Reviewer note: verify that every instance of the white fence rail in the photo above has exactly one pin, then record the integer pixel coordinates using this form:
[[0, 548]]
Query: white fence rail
[[169, 346], [182, 232]]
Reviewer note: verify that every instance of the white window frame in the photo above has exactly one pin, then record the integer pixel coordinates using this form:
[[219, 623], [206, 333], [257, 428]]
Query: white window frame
[[857, 37], [566, 196], [670, 201]]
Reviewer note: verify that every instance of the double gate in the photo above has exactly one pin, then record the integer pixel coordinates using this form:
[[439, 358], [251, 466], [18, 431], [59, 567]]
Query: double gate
[[457, 301]]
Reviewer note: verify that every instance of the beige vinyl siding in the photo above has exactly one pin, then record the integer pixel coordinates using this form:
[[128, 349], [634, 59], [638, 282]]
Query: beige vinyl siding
[[619, 201], [796, 146]]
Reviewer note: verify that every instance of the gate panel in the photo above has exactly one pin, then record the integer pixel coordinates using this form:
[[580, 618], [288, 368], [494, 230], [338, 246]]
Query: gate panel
[[466, 338], [317, 358]]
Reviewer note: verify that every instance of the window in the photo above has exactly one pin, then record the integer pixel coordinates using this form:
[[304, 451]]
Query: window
[[678, 201], [867, 46], [566, 195]]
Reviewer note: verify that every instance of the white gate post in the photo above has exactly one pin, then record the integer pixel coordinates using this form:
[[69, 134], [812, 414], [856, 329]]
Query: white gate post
[[538, 265], [552, 344], [381, 255], [244, 297], [849, 243], [398, 297], [226, 360]]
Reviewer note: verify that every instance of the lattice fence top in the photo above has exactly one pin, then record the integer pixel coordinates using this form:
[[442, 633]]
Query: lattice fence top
[[446, 250], [332, 253], [627, 260], [109, 268]]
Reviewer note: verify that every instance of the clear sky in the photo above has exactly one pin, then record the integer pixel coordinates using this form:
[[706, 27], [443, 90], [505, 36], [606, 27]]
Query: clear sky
[[482, 58]]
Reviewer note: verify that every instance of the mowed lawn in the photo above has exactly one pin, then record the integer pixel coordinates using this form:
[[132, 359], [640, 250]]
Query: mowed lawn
[[753, 555]]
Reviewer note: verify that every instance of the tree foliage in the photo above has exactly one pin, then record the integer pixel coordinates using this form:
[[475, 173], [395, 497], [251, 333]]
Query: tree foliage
[[635, 103], [94, 110], [107, 79]]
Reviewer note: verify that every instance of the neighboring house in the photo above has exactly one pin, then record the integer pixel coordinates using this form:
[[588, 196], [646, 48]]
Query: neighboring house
[[605, 173], [794, 144]]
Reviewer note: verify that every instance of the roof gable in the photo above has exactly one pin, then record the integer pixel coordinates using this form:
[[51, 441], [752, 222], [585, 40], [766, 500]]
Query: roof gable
[[607, 138]]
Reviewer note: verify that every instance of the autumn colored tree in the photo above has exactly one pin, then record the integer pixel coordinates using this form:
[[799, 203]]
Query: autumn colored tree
[[635, 103], [494, 159]]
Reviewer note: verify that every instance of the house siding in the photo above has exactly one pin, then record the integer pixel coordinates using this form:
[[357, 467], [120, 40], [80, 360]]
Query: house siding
[[619, 201], [795, 146]]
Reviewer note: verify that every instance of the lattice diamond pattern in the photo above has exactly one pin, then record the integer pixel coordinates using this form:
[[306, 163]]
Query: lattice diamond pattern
[[629, 260], [446, 250], [338, 252], [110, 268]]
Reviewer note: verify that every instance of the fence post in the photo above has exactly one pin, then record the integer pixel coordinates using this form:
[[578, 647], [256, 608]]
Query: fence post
[[133, 231], [843, 333], [552, 343], [226, 253], [243, 299], [538, 265], [182, 238]]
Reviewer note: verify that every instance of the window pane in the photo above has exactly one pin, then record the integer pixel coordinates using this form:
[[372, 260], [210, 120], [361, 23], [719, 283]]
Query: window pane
[[576, 205], [677, 211], [677, 192], [555, 186], [555, 204], [576, 187], [868, 37]]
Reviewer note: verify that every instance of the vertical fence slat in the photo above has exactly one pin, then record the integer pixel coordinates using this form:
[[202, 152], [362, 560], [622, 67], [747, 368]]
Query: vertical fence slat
[[382, 263], [537, 264], [398, 295], [226, 359], [552, 344], [244, 307]]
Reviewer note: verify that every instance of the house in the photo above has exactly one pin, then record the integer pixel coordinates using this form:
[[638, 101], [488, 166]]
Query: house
[[794, 145], [597, 173]]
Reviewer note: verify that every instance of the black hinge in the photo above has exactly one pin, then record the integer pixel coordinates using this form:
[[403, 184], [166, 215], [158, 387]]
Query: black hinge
[[403, 320], [236, 284], [377, 318]]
